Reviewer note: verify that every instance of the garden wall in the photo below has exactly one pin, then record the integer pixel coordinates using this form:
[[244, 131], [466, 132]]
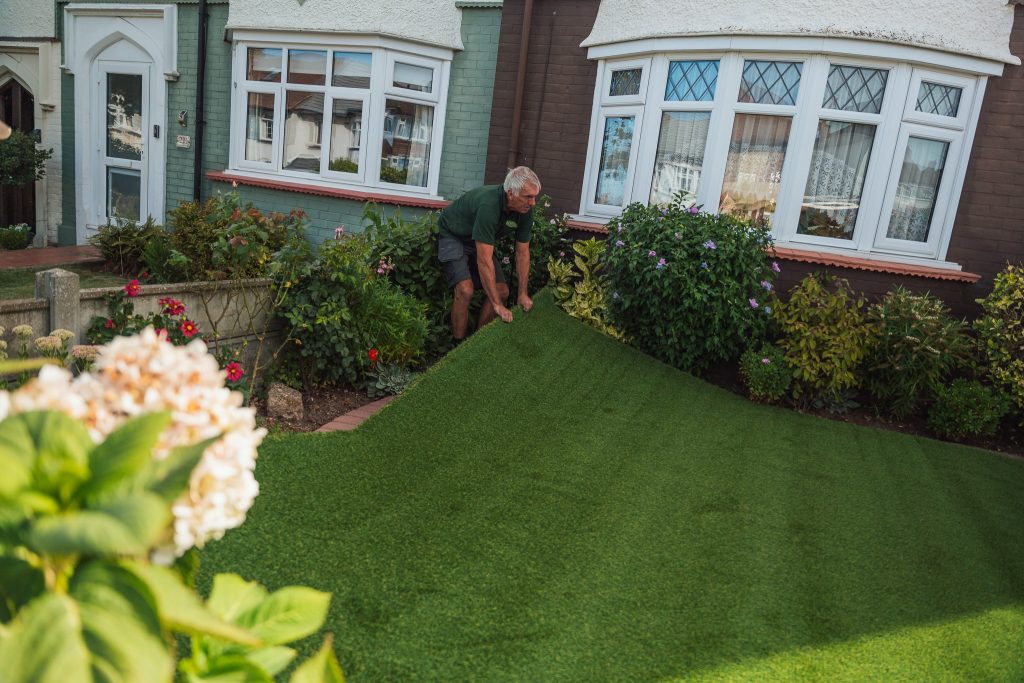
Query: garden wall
[[233, 313]]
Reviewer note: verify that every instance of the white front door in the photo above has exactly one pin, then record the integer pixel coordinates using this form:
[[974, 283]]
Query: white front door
[[124, 132]]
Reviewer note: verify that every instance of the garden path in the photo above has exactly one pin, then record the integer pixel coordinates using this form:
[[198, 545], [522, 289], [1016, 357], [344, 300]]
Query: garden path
[[48, 256], [354, 418]]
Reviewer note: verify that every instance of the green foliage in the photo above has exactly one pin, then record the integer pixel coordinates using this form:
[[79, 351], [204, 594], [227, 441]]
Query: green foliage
[[386, 379], [549, 239], [339, 309], [79, 600], [965, 409], [766, 373], [123, 321], [1000, 332], [918, 346], [15, 236], [21, 161], [393, 175], [688, 287], [223, 239], [123, 243], [825, 336], [580, 288], [405, 252], [343, 165]]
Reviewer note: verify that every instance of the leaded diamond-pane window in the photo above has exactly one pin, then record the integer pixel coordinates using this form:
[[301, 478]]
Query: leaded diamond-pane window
[[691, 81], [852, 88], [935, 98], [625, 82], [770, 82]]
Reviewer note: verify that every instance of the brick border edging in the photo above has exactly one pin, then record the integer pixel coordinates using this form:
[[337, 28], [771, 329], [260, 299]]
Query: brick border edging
[[354, 418]]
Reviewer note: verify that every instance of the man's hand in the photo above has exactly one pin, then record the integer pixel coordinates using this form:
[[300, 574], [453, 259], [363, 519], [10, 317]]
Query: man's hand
[[503, 313], [525, 301]]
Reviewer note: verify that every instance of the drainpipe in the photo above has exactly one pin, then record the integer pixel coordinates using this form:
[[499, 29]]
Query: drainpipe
[[517, 101], [197, 171]]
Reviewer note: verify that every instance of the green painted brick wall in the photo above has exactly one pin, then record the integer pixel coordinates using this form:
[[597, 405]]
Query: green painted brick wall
[[464, 148]]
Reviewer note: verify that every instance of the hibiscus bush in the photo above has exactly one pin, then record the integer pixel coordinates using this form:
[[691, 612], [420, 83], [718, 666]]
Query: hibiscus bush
[[689, 287], [110, 476]]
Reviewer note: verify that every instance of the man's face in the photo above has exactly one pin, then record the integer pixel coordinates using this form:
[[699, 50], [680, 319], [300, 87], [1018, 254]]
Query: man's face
[[522, 202]]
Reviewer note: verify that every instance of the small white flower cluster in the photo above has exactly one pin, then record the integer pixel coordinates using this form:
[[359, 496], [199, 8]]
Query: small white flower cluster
[[142, 374]]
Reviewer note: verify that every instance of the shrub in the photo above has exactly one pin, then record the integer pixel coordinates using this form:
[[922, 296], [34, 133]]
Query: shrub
[[338, 309], [549, 238], [21, 161], [15, 236], [344, 165], [580, 287], [966, 408], [223, 239], [405, 252], [691, 285], [123, 242], [918, 345], [766, 373], [1001, 334], [825, 337], [393, 175]]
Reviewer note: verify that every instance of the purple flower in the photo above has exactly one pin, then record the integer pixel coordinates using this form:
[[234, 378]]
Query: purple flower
[[766, 361], [694, 209], [619, 229], [652, 253], [753, 303], [767, 285], [775, 267], [661, 263], [620, 243], [505, 260], [704, 265], [561, 254], [710, 245]]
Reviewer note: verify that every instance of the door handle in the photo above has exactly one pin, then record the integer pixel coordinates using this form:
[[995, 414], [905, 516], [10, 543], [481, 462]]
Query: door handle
[[156, 132]]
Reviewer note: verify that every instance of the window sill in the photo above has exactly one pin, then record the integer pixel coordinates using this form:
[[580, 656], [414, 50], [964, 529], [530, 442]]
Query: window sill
[[355, 195], [824, 258]]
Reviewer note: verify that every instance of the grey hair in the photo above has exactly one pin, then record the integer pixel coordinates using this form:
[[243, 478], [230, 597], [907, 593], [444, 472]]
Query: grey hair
[[518, 178]]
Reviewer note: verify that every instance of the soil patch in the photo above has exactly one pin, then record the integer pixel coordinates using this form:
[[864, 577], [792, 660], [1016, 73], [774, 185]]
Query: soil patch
[[320, 405]]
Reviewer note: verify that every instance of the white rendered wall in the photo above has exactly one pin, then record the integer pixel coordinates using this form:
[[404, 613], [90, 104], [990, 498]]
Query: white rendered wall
[[436, 22], [26, 18], [980, 28]]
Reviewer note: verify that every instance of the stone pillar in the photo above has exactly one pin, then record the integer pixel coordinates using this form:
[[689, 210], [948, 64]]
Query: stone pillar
[[60, 288]]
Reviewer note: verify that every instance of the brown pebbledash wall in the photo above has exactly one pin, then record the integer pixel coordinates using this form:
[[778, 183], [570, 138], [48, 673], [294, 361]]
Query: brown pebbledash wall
[[557, 102]]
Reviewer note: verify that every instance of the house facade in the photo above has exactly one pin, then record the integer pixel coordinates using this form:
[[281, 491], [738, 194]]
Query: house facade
[[878, 139]]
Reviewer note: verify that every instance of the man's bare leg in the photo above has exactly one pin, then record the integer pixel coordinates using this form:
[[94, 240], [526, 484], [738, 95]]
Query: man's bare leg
[[487, 310], [462, 295]]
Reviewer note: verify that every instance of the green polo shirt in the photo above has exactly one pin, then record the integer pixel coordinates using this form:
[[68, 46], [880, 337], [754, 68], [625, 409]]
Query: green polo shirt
[[482, 215]]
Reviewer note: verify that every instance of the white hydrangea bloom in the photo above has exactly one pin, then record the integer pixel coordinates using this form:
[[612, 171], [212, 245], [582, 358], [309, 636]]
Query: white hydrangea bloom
[[142, 374]]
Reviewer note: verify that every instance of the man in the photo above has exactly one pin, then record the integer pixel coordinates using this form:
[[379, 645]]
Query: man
[[468, 230]]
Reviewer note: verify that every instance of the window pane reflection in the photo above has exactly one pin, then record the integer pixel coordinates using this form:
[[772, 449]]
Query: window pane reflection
[[680, 157], [259, 127], [611, 177], [405, 149], [124, 194], [351, 70], [836, 179], [124, 116], [413, 77], [264, 64], [912, 210], [307, 67], [753, 170], [303, 120], [346, 134]]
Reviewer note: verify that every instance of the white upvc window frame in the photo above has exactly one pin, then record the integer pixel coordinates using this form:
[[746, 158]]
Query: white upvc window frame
[[384, 53], [907, 68]]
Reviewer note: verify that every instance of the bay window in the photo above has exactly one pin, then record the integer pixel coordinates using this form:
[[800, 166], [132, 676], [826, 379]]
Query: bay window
[[861, 152], [364, 114]]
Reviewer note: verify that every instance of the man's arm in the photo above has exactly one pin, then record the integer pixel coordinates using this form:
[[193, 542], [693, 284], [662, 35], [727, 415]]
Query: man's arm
[[485, 266], [523, 274]]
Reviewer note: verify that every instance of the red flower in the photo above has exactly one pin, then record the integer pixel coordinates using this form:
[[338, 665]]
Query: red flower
[[133, 288], [234, 371], [373, 356], [172, 306], [162, 333], [189, 329], [109, 324]]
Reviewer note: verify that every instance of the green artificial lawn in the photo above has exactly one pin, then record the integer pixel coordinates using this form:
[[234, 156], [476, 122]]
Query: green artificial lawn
[[19, 283], [549, 504]]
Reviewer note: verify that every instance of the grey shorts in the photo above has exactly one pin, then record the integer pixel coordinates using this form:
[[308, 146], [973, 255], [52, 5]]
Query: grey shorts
[[458, 259]]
